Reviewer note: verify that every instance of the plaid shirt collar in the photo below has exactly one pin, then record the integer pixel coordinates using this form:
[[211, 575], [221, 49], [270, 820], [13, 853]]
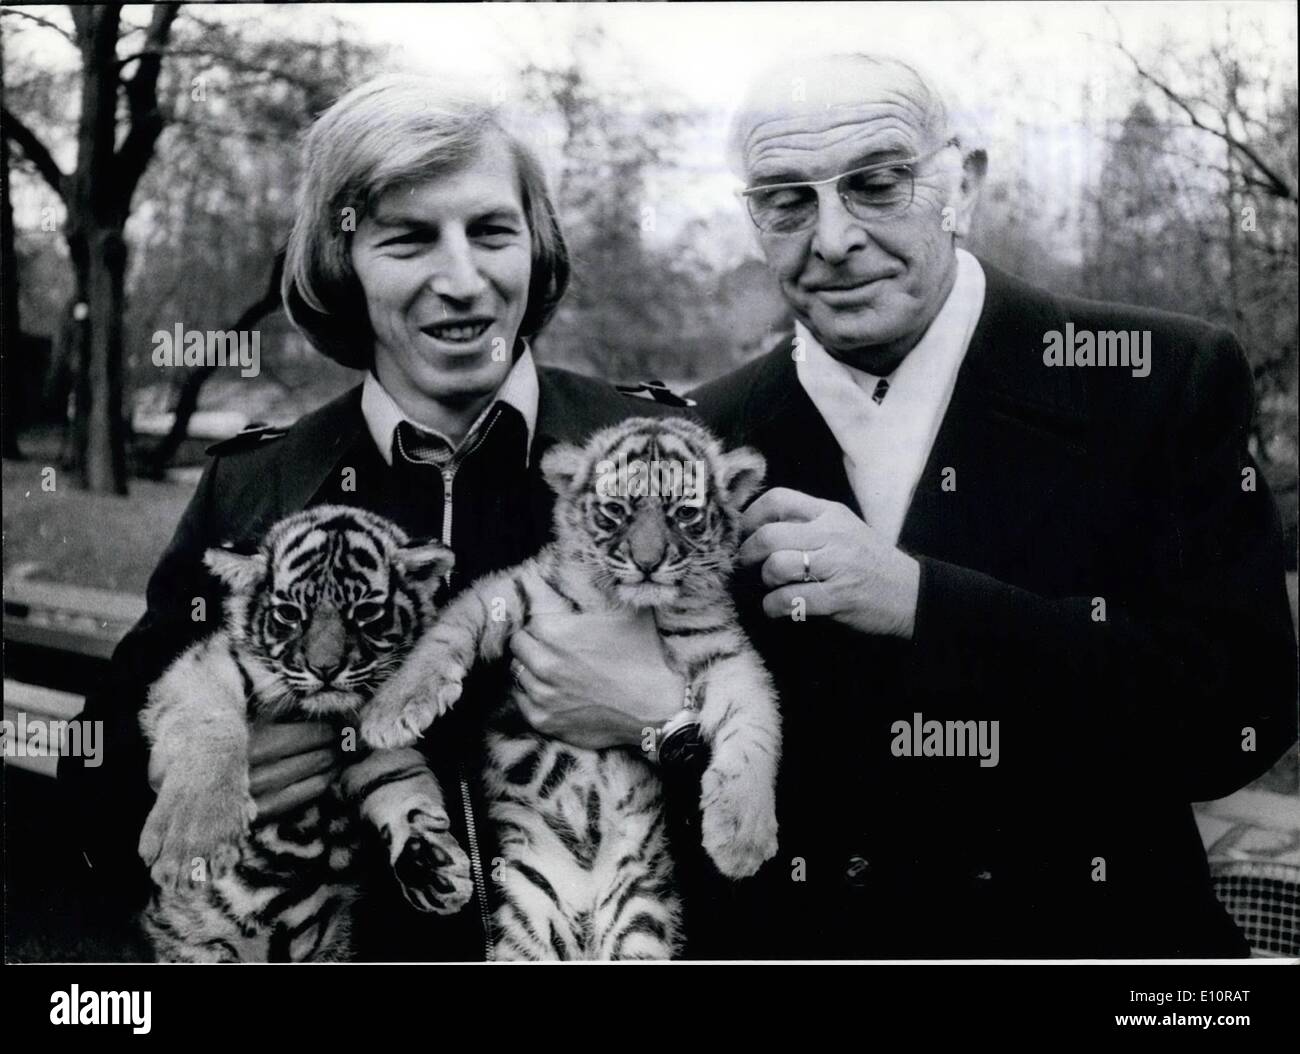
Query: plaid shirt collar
[[383, 415]]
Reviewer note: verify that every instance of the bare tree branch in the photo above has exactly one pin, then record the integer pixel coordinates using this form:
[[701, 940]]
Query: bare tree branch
[[142, 99], [1278, 185], [40, 22], [187, 399], [1258, 184], [226, 59], [226, 131], [33, 149]]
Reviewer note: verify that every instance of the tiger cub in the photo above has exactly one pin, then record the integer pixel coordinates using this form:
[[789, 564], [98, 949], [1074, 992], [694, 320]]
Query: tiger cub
[[585, 870], [313, 623]]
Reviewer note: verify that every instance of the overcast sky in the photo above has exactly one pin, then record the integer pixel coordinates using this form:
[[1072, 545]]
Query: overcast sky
[[1018, 69], [707, 52]]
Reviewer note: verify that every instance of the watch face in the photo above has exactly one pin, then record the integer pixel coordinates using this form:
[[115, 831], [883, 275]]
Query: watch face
[[683, 746]]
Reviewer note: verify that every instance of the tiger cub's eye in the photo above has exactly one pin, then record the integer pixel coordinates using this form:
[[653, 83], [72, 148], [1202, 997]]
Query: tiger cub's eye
[[367, 611], [609, 514], [289, 614], [688, 515]]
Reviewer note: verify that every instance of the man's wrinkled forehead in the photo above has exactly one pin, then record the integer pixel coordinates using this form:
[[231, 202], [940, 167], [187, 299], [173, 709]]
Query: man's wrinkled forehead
[[843, 105]]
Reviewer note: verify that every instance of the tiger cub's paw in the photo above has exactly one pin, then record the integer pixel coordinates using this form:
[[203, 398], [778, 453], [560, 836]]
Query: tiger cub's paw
[[738, 822], [405, 707], [194, 832], [431, 868]]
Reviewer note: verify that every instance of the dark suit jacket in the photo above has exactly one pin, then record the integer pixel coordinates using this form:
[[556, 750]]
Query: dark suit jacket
[[503, 515], [1071, 484]]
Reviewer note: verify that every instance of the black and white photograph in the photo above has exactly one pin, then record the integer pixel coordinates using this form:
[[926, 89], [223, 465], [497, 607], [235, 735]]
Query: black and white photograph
[[725, 483]]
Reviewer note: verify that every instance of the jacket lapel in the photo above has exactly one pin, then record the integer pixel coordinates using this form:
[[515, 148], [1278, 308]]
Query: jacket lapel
[[801, 452], [318, 452], [1011, 450]]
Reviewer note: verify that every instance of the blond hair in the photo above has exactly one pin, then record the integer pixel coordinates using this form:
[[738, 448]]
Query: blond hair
[[390, 131]]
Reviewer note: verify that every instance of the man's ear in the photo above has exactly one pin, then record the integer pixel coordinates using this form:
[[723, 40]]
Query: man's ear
[[562, 466], [974, 166], [740, 475], [241, 572], [426, 562]]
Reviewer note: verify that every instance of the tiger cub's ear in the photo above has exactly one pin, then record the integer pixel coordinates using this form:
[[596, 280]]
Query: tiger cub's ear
[[563, 465], [425, 562], [740, 474], [240, 571]]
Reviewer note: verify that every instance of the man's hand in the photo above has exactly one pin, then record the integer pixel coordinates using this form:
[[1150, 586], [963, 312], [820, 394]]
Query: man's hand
[[291, 764], [857, 578], [595, 681], [202, 809]]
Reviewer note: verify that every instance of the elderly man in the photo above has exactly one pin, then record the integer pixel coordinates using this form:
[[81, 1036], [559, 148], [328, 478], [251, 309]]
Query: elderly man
[[1022, 607]]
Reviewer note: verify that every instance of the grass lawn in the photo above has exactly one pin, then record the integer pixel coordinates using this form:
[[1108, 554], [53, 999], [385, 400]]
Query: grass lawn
[[69, 536]]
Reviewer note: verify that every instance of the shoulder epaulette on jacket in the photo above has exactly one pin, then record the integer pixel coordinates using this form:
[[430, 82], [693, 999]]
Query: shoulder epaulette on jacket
[[655, 392], [253, 435]]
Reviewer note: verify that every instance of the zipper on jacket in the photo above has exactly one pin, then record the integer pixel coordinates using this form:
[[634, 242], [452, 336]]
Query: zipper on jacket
[[476, 865], [449, 479], [471, 829]]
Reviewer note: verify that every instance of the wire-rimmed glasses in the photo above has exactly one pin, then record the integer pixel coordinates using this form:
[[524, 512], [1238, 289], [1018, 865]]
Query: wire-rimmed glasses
[[872, 192]]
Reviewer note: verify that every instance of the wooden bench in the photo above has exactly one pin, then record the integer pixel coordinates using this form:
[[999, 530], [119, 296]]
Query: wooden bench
[[28, 703], [58, 640]]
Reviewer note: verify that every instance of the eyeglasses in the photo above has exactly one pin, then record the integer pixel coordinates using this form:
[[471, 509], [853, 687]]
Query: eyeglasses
[[873, 192]]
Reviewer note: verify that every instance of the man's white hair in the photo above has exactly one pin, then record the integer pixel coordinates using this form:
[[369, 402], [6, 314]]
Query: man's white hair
[[805, 81]]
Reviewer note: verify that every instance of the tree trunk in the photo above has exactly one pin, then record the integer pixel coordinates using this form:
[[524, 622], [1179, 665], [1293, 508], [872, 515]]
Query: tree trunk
[[98, 199], [157, 460], [104, 458], [13, 375], [98, 249], [73, 357]]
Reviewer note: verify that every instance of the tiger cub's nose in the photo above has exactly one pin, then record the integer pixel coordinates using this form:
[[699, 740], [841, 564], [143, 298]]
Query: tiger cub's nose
[[325, 645], [647, 541]]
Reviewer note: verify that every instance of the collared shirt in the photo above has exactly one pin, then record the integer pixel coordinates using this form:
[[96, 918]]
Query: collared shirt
[[886, 440], [383, 415]]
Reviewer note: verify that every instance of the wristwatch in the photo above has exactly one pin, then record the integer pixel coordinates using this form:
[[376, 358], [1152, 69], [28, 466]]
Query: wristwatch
[[679, 741]]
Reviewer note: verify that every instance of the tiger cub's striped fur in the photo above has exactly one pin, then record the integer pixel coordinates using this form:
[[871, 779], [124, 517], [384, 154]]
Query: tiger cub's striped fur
[[314, 621], [586, 870]]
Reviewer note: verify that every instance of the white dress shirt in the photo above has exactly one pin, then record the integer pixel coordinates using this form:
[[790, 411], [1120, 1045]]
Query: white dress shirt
[[383, 415], [887, 443]]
